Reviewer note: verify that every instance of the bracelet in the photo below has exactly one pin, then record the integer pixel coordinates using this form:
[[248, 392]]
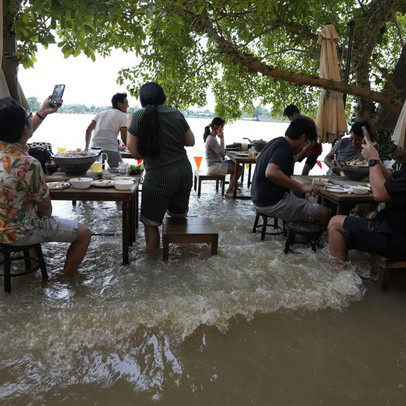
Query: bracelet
[[39, 115]]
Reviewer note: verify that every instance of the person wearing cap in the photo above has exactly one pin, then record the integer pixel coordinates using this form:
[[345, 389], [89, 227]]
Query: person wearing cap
[[273, 189], [25, 205], [347, 149], [159, 135], [106, 126], [311, 150]]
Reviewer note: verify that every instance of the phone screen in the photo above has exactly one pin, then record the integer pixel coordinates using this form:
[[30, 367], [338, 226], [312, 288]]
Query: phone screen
[[365, 133], [58, 92]]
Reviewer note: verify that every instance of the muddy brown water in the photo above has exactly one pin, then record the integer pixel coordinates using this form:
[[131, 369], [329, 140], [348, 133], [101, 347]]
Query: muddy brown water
[[248, 326]]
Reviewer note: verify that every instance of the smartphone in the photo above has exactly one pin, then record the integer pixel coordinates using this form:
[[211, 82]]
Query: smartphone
[[56, 98], [365, 133]]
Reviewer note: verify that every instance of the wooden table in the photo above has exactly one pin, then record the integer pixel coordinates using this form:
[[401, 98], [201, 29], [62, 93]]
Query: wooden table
[[126, 154], [128, 198], [241, 158], [343, 201]]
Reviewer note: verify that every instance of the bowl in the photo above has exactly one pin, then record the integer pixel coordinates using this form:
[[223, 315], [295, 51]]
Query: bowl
[[81, 183], [75, 165], [359, 190], [123, 184], [355, 172]]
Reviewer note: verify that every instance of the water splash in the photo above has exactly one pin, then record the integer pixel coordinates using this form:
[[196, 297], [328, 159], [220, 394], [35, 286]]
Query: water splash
[[115, 322]]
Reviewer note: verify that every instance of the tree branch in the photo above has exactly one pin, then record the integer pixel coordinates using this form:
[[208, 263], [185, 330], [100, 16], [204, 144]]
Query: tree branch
[[252, 63]]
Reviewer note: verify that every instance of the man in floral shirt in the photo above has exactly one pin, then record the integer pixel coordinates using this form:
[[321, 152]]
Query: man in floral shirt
[[25, 205]]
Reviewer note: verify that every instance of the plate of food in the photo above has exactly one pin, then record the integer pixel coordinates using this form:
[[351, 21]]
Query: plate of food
[[321, 181], [337, 189], [103, 183], [57, 185]]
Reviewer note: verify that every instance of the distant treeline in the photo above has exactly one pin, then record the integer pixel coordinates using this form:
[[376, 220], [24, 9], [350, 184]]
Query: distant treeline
[[33, 102]]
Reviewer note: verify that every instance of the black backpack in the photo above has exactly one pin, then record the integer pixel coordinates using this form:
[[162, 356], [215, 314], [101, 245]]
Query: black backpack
[[41, 151]]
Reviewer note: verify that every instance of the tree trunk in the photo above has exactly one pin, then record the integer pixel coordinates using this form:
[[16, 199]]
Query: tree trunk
[[9, 62], [396, 85], [368, 30]]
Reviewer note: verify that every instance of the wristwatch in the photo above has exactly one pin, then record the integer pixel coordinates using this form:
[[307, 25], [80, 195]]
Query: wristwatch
[[373, 162]]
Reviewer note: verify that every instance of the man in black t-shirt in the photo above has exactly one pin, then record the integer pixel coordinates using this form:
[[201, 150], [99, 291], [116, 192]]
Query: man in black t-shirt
[[272, 186], [385, 232]]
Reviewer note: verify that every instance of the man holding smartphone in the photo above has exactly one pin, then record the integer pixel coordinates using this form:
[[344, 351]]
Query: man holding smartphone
[[385, 232], [106, 126]]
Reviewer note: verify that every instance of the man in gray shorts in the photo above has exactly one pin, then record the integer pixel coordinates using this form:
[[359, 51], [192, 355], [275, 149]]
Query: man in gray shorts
[[25, 205], [272, 186]]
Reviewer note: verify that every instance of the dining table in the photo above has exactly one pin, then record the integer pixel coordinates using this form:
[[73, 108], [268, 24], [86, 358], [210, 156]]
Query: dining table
[[242, 158], [341, 198], [127, 198]]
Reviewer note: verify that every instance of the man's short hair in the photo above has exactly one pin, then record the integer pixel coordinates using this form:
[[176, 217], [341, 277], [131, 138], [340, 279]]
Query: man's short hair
[[13, 118], [300, 126], [290, 110], [356, 128], [118, 97]]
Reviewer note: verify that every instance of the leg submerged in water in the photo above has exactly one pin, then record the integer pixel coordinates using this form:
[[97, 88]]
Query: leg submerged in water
[[151, 237], [336, 239], [77, 249], [230, 170]]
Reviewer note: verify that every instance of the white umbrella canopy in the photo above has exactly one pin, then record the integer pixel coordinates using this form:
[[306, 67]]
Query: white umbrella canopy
[[399, 134], [331, 121]]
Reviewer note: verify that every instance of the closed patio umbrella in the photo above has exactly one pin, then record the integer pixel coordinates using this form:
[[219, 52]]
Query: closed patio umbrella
[[331, 121], [399, 134]]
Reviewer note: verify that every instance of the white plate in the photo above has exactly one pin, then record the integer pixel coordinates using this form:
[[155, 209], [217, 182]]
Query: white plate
[[58, 185], [102, 183], [336, 190]]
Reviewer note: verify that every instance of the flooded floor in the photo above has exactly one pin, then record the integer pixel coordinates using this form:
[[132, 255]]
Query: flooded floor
[[248, 326]]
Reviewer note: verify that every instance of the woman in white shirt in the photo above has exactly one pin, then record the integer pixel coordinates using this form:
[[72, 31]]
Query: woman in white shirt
[[215, 153]]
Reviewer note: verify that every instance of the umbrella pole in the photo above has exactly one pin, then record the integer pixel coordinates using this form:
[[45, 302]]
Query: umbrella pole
[[351, 26]]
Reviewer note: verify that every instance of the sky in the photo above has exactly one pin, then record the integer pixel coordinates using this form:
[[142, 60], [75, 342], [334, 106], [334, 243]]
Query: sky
[[87, 82]]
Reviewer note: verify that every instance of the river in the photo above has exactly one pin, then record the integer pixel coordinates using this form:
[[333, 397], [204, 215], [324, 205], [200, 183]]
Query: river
[[250, 325]]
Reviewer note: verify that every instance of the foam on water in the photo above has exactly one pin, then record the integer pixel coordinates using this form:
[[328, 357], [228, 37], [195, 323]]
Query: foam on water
[[115, 322]]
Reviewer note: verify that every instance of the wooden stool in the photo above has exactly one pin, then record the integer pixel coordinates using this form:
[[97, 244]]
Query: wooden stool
[[6, 250], [183, 230], [310, 230], [200, 176], [388, 265], [277, 229]]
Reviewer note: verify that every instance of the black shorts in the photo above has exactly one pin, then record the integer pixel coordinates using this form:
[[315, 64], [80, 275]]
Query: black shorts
[[374, 236], [310, 160]]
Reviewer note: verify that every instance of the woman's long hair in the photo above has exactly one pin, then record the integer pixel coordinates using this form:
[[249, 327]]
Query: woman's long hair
[[207, 130], [151, 96]]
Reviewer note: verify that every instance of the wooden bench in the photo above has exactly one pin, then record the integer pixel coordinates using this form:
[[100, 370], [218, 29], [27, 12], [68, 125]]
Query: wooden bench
[[388, 265], [200, 176], [184, 230]]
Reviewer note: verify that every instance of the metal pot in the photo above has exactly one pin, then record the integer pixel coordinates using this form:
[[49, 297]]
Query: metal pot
[[257, 144]]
